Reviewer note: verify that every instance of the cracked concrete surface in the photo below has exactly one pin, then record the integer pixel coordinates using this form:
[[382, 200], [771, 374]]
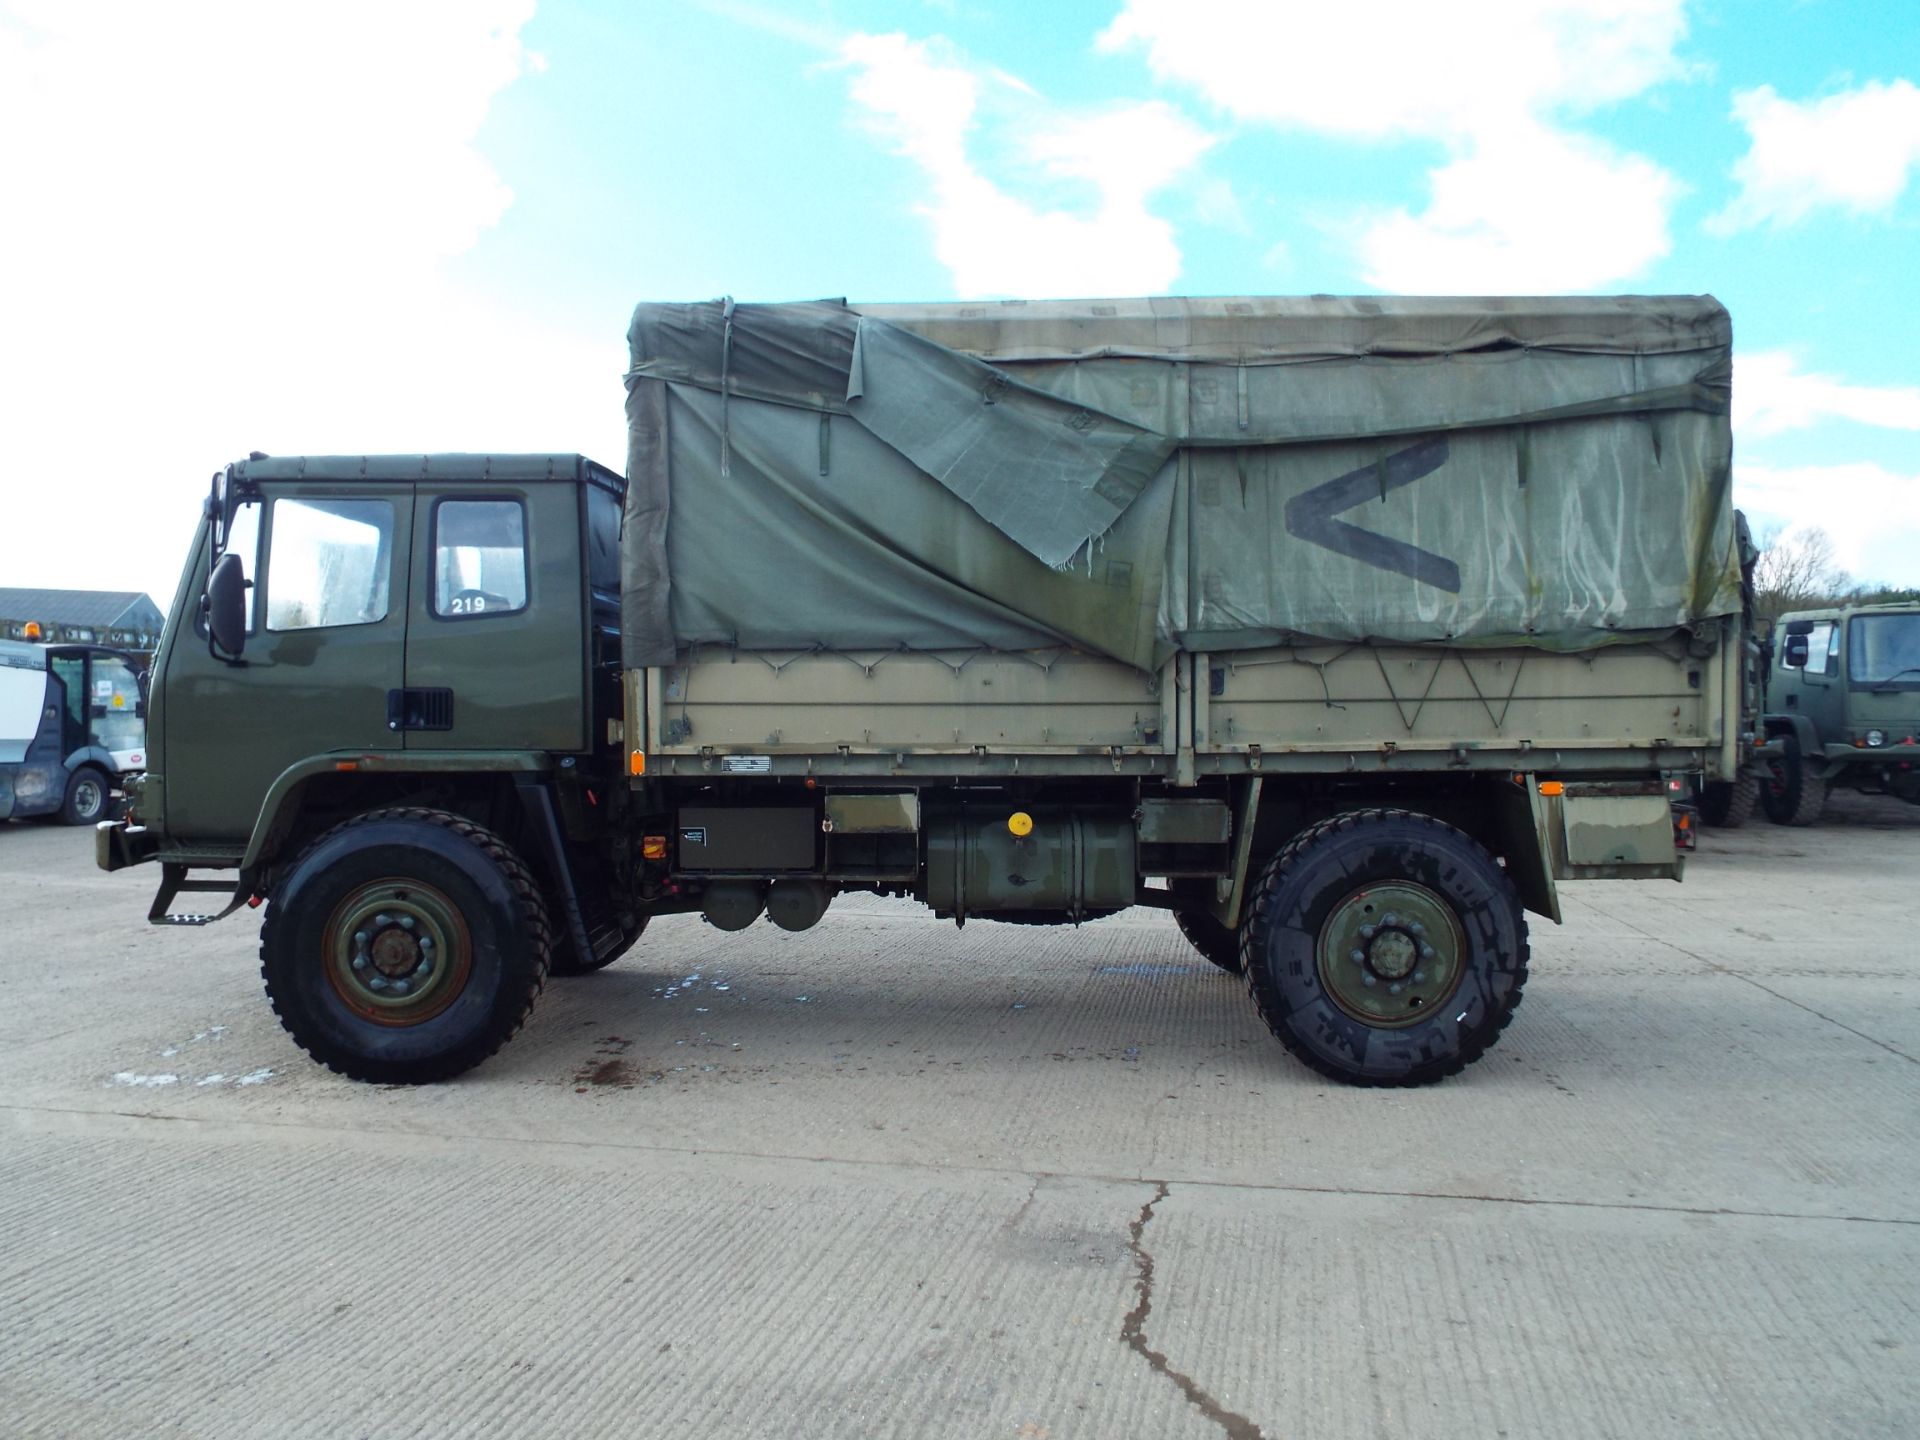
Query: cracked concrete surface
[[884, 1178], [1133, 1330]]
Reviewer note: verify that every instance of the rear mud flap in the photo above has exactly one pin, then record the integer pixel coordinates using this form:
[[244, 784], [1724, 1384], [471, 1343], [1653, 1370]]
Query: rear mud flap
[[1607, 832]]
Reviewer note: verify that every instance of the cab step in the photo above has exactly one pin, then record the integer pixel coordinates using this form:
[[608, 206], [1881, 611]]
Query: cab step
[[176, 879]]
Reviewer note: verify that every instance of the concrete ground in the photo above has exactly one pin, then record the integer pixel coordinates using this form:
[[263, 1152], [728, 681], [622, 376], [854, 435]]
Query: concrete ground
[[890, 1179]]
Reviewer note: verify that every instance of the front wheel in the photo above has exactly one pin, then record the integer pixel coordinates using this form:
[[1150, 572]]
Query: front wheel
[[1790, 793], [1386, 948], [405, 946], [89, 794]]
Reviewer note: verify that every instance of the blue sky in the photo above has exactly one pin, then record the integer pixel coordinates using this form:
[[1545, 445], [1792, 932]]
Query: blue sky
[[413, 226]]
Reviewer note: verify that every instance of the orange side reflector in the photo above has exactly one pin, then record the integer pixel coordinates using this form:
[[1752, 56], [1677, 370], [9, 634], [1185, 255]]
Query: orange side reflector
[[653, 847], [346, 764], [637, 762], [1552, 787]]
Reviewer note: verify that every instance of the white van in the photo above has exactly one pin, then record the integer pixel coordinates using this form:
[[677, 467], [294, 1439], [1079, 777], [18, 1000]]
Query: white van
[[72, 726]]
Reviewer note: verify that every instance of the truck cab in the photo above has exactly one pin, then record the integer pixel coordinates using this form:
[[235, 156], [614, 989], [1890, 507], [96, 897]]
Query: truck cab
[[1843, 708], [393, 617]]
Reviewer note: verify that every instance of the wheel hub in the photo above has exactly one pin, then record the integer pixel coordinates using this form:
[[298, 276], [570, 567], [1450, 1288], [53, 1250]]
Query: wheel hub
[[397, 952], [1389, 953], [1392, 954], [394, 952]]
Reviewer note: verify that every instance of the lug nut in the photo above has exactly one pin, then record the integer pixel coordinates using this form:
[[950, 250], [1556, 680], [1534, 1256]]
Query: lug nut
[[383, 919], [406, 922], [360, 962], [1359, 957], [378, 982], [1367, 932]]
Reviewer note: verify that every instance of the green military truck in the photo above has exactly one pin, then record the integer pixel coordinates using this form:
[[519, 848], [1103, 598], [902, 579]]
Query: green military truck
[[1341, 629], [1843, 708]]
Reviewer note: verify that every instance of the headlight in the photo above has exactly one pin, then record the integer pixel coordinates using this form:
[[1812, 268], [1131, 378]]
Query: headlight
[[1876, 737]]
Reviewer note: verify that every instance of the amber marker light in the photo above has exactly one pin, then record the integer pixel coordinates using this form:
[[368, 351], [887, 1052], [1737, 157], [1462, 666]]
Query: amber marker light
[[637, 762], [1552, 787], [1020, 823], [653, 847]]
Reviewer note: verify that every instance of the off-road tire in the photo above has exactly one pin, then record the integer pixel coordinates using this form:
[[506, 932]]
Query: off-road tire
[[1790, 793], [511, 944], [1728, 804], [566, 961], [1215, 941], [1330, 865], [89, 797]]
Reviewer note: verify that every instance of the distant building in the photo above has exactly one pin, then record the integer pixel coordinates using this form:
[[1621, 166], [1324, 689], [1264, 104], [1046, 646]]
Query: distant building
[[123, 618]]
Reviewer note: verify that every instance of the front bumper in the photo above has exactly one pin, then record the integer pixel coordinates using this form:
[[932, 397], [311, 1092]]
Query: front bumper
[[120, 846], [1895, 756]]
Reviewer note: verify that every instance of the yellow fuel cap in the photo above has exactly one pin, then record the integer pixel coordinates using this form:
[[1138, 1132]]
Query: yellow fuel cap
[[1020, 823]]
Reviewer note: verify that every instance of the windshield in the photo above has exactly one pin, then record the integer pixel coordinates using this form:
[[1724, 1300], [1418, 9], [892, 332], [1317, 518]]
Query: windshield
[[1885, 650]]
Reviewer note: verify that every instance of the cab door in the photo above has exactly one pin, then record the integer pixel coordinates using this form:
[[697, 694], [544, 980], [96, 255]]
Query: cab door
[[326, 646], [495, 640]]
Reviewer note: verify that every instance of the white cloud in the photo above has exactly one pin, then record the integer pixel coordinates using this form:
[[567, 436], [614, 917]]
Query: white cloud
[[1582, 217], [924, 103], [1521, 204], [1371, 69], [228, 226], [1856, 151], [1771, 395], [1871, 513]]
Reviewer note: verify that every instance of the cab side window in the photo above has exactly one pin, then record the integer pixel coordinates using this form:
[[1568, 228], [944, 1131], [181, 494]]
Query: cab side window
[[328, 563], [1821, 641], [479, 558], [242, 539]]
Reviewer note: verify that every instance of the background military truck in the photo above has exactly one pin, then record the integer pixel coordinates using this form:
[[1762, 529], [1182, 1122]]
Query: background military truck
[[72, 729], [1843, 708], [1342, 629]]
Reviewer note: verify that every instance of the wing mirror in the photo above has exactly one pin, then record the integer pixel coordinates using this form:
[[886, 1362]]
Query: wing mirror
[[226, 607], [1794, 655]]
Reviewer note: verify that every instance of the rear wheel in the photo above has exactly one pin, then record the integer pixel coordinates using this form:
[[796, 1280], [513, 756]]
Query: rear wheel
[[567, 961], [1217, 942], [89, 795], [1728, 804], [1789, 792], [405, 946], [1385, 948]]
